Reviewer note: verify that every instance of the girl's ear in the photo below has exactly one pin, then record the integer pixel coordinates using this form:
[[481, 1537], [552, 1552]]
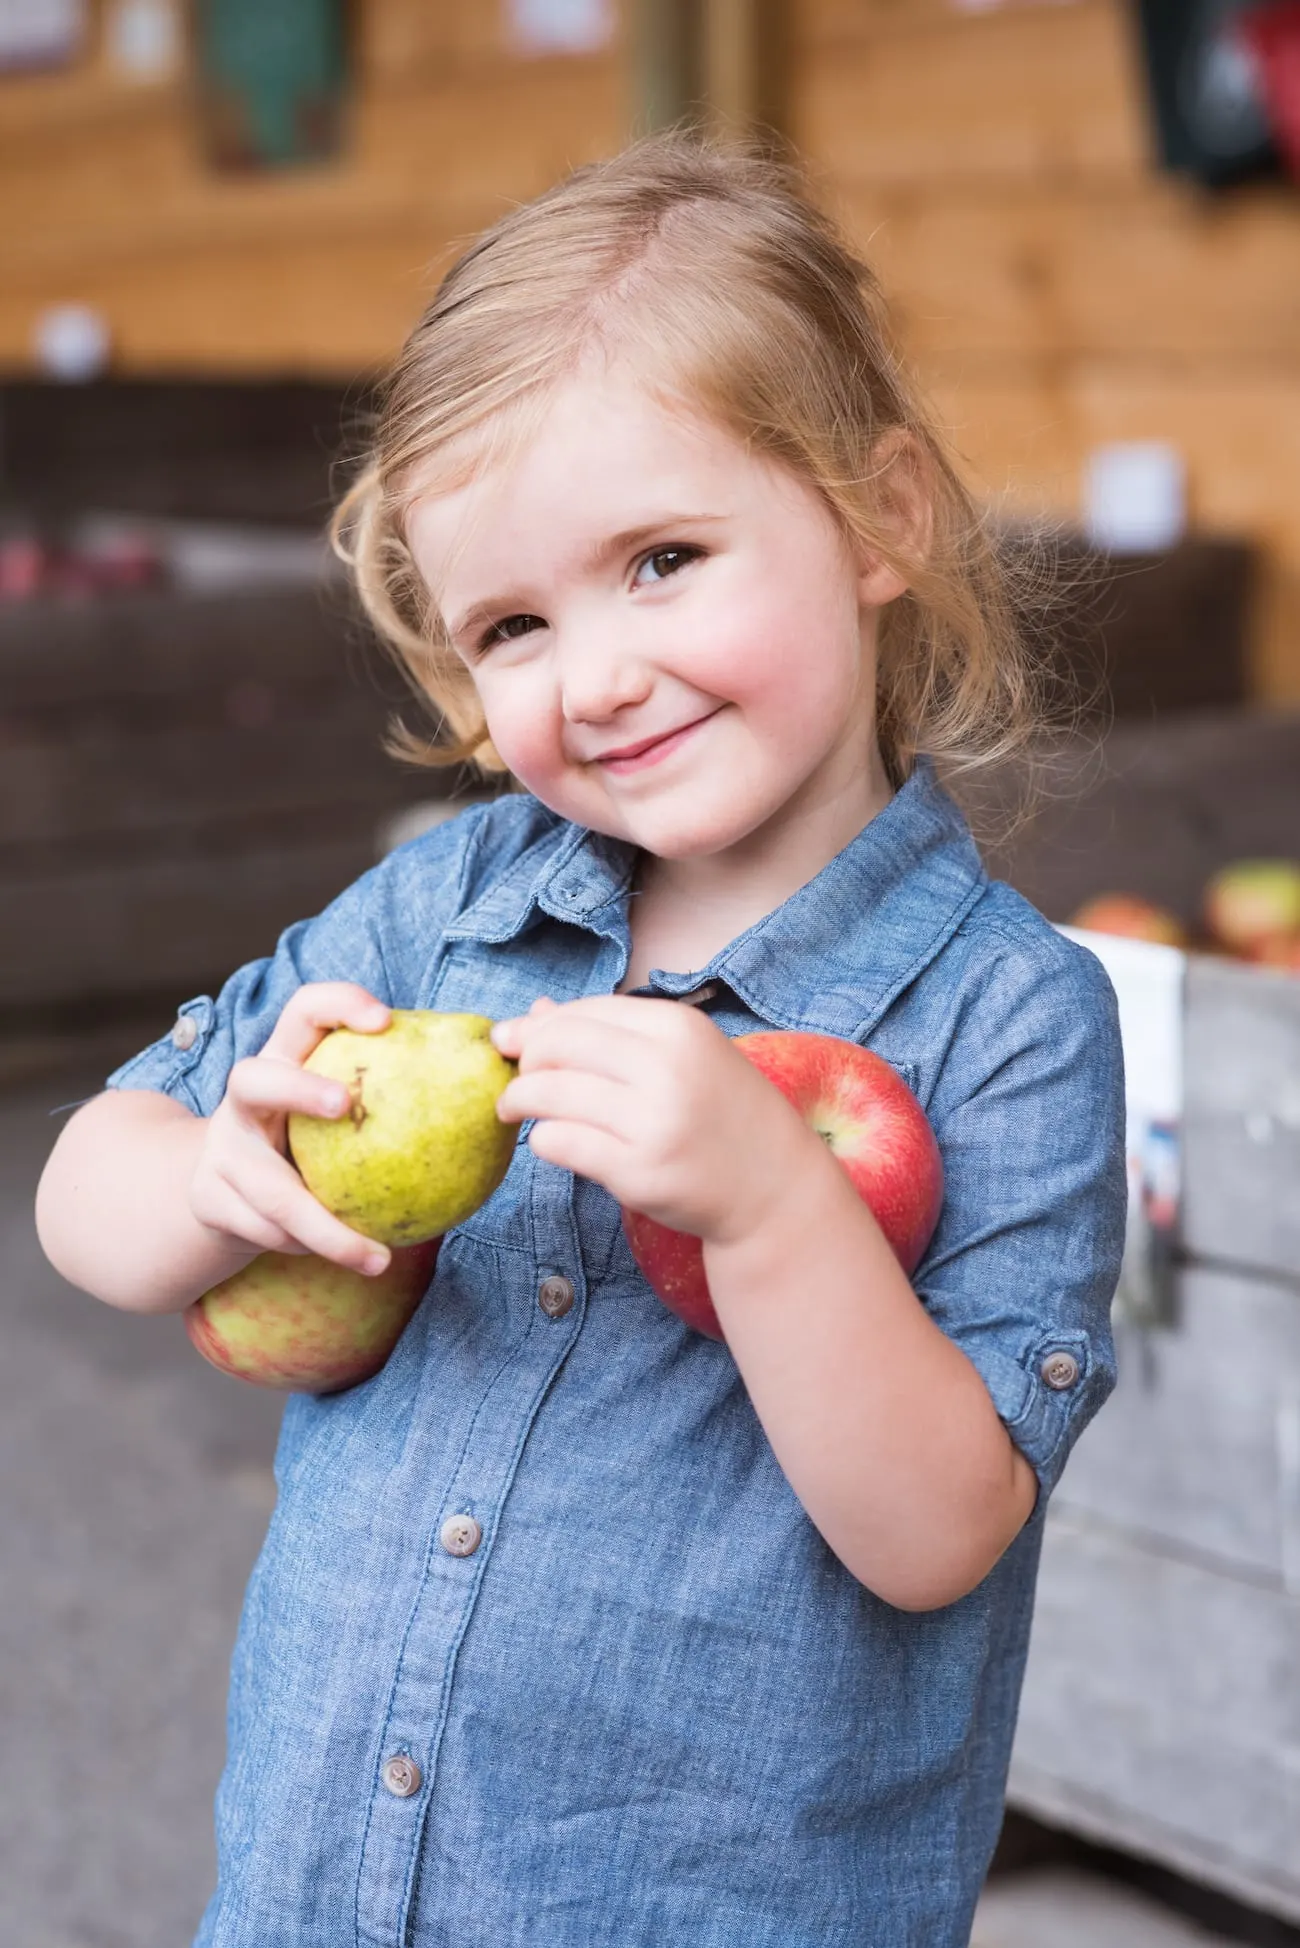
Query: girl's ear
[[903, 514]]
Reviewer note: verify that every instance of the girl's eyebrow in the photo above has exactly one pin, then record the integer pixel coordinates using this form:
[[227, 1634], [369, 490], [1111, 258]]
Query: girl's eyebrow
[[630, 538], [609, 548]]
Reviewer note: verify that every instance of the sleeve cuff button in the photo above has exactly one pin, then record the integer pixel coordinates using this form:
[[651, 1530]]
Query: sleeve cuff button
[[185, 1033], [1059, 1371]]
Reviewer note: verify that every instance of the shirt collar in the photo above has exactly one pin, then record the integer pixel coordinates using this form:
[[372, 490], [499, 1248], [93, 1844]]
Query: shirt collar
[[831, 958]]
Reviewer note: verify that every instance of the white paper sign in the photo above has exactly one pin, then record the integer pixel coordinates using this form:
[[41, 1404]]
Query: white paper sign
[[40, 33], [561, 26], [1148, 982]]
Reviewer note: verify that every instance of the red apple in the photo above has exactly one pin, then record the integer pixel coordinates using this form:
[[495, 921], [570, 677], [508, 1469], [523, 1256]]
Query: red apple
[[873, 1125], [1280, 950], [1132, 919], [1252, 901], [305, 1325]]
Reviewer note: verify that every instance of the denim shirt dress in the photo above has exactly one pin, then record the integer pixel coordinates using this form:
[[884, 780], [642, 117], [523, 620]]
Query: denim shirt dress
[[634, 1700]]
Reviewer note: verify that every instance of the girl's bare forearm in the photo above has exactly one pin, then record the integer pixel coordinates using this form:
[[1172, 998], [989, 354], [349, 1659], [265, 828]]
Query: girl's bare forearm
[[113, 1211], [880, 1423]]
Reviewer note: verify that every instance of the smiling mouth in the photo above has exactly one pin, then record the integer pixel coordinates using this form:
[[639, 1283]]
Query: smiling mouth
[[649, 749]]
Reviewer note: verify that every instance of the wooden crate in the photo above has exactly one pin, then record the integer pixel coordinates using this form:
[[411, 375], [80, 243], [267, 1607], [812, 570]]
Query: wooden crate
[[1161, 1711], [181, 778]]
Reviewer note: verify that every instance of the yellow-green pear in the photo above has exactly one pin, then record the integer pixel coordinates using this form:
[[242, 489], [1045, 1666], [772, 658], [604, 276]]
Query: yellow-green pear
[[305, 1325], [421, 1146]]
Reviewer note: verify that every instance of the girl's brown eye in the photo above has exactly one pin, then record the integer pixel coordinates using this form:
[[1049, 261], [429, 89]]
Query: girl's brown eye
[[509, 628], [666, 562]]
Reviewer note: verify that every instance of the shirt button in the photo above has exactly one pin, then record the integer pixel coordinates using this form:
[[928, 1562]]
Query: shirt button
[[401, 1776], [459, 1535], [555, 1296], [1060, 1370], [185, 1033]]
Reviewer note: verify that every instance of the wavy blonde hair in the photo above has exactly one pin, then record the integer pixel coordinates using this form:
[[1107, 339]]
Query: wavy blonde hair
[[711, 271]]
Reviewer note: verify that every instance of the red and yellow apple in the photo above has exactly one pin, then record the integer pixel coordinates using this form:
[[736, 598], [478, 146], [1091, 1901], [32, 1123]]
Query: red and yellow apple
[[305, 1325], [1281, 950], [1132, 919], [1253, 901], [872, 1124]]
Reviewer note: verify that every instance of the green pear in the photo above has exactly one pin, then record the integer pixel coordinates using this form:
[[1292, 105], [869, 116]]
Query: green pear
[[421, 1146], [305, 1325]]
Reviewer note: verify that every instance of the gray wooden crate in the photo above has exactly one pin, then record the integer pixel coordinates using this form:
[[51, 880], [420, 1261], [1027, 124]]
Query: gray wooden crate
[[1161, 1711], [182, 776]]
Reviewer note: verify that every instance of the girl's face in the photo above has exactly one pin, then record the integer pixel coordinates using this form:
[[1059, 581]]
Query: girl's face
[[670, 638]]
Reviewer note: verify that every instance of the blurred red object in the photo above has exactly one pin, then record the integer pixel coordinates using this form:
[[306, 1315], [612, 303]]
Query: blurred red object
[[25, 565], [30, 567], [1272, 34]]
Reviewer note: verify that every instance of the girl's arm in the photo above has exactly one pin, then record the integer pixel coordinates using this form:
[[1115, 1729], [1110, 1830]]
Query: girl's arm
[[883, 1427], [146, 1206]]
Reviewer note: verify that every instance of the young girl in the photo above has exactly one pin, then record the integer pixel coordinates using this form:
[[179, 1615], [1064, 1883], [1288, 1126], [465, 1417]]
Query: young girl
[[574, 1627]]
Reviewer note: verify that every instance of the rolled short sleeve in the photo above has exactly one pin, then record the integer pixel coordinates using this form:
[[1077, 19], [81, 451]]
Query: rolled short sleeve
[[1023, 1266], [380, 933]]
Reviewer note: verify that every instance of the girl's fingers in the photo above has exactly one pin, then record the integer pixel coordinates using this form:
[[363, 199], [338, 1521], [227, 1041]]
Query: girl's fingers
[[573, 1095], [311, 1012], [261, 1084], [221, 1208], [256, 1194], [586, 1151], [280, 1197], [568, 1040]]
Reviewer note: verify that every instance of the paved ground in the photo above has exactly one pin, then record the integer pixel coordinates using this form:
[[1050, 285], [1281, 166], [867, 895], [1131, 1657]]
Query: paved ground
[[136, 1490], [1062, 1908]]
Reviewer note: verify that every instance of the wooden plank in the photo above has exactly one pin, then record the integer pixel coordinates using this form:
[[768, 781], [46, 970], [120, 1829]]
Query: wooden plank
[[110, 789], [825, 25], [1147, 269], [82, 657], [1161, 1713], [1048, 93], [1154, 810], [417, 153], [211, 451], [1188, 1453], [1025, 433], [1241, 1120], [181, 922]]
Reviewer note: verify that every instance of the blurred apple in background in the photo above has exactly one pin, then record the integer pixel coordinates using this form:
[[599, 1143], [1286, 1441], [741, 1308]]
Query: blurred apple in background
[[1253, 901], [305, 1325], [1132, 918], [1282, 951], [872, 1124]]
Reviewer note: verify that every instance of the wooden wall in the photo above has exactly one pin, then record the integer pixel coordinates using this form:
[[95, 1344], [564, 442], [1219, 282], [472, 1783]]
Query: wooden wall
[[1052, 288]]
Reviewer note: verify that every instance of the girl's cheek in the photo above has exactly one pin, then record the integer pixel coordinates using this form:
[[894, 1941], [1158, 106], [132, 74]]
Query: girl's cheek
[[522, 736]]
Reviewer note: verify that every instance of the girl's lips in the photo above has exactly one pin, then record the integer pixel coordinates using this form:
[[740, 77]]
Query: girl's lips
[[637, 757]]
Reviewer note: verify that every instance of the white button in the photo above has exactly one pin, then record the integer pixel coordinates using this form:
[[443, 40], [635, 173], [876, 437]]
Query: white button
[[460, 1535], [1060, 1370], [185, 1033], [401, 1776]]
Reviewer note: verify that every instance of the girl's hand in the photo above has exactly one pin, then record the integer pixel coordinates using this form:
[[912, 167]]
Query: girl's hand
[[651, 1100], [244, 1184]]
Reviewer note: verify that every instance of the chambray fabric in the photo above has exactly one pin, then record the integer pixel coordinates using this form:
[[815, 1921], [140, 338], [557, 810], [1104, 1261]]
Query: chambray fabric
[[653, 1708]]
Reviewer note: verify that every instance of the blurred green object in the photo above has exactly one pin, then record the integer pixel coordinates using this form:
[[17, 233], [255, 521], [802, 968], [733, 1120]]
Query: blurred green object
[[273, 80]]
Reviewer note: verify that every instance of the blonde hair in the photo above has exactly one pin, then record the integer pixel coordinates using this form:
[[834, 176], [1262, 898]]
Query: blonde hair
[[709, 269]]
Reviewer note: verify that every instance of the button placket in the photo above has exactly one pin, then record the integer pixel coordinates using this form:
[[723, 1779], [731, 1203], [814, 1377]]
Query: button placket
[[424, 1687]]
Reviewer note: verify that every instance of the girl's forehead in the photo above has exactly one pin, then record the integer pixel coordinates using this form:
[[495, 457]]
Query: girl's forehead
[[595, 418]]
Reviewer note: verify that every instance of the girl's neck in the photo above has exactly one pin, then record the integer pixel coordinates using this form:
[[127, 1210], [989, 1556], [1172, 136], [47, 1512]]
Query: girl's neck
[[684, 911]]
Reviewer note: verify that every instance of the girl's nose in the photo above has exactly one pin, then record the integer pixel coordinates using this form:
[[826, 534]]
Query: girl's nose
[[598, 678]]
